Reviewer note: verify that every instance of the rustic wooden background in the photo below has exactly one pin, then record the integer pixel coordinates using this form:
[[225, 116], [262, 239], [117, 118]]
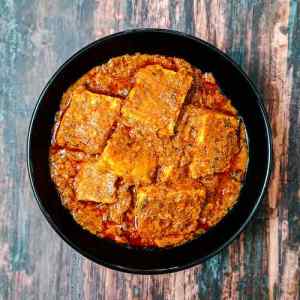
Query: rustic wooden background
[[38, 36]]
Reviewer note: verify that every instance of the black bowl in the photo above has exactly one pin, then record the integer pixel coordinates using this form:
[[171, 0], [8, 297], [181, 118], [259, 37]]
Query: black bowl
[[234, 83]]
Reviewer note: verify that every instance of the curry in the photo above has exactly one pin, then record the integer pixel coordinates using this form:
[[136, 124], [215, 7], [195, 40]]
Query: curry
[[147, 151]]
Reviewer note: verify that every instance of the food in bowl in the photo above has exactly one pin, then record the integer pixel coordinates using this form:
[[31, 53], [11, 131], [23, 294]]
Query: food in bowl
[[147, 151]]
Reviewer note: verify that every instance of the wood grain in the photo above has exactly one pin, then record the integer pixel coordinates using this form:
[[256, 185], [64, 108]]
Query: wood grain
[[36, 37]]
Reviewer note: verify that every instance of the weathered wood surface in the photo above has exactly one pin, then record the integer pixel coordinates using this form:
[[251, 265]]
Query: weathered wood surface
[[261, 35]]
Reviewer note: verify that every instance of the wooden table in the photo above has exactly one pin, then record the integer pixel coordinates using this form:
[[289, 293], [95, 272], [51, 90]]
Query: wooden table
[[36, 37]]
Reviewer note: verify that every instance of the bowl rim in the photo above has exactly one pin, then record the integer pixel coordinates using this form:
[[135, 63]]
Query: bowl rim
[[269, 148]]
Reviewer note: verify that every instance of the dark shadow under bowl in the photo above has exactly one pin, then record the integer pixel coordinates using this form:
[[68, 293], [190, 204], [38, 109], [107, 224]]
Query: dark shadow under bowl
[[234, 83]]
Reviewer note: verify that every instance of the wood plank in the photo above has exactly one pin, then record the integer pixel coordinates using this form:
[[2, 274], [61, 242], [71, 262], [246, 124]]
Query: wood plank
[[38, 36]]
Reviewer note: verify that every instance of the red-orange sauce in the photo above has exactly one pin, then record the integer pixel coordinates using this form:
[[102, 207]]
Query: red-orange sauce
[[147, 151]]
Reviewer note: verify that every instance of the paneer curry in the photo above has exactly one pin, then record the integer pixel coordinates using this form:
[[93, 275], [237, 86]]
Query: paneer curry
[[147, 151]]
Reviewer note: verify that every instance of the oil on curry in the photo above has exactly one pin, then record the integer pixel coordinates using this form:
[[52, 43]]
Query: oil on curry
[[147, 151]]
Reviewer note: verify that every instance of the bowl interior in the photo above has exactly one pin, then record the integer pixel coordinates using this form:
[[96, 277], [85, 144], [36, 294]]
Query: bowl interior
[[234, 84]]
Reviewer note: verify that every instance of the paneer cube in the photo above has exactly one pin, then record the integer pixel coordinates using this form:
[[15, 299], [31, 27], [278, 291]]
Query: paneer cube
[[165, 212], [94, 183], [129, 157], [154, 102], [212, 138], [88, 120]]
